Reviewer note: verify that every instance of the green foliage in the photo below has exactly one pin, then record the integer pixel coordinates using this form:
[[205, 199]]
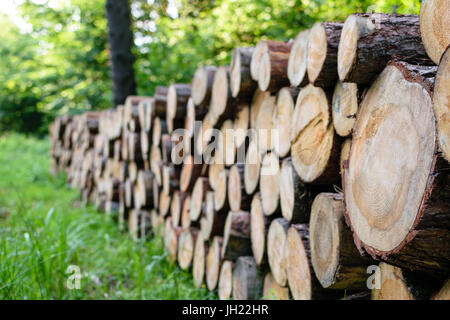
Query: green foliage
[[61, 65], [43, 230]]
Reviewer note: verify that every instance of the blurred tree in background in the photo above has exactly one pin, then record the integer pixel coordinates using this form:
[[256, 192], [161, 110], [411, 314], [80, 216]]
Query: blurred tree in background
[[60, 63]]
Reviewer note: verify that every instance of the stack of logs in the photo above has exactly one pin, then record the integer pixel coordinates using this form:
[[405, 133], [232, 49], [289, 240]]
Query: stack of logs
[[327, 176]]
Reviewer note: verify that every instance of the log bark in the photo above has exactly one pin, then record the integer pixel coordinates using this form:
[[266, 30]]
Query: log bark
[[323, 52], [236, 235], [247, 280], [370, 40], [404, 220], [441, 104], [266, 46], [273, 70], [241, 82], [238, 199], [336, 261], [160, 101], [433, 27], [145, 183], [314, 145], [298, 59], [189, 174]]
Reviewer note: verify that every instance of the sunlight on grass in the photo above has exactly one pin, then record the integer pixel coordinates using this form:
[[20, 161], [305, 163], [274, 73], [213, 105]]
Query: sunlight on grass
[[44, 229]]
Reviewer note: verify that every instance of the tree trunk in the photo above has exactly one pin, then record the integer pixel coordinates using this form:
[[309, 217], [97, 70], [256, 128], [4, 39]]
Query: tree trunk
[[120, 41], [241, 82], [202, 84], [322, 53], [370, 40]]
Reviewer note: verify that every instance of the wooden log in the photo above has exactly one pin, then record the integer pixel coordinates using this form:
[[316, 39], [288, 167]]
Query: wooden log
[[145, 110], [441, 104], [276, 238], [393, 283], [145, 183], [252, 169], [203, 147], [259, 226], [295, 197], [128, 193], [194, 113], [272, 290], [222, 105], [240, 130], [434, 28], [298, 59], [300, 274], [273, 70], [284, 108], [247, 281], [220, 194], [225, 285], [213, 262], [176, 206], [266, 46], [164, 203], [155, 195], [258, 99], [202, 83], [186, 247], [214, 169], [159, 128], [177, 97], [133, 224], [269, 184], [201, 188], [236, 236], [155, 163], [346, 99], [160, 101], [171, 239], [314, 145], [322, 53], [370, 40], [198, 264], [189, 173], [345, 152], [145, 225], [265, 124], [185, 216], [336, 261], [170, 178], [403, 219], [156, 221], [212, 222], [226, 151], [145, 145], [241, 82], [238, 199]]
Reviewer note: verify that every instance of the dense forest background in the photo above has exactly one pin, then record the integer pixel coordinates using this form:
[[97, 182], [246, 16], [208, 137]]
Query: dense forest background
[[54, 53]]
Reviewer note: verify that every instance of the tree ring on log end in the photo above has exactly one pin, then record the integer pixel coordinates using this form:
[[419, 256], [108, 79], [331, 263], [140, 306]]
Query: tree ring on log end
[[347, 46], [298, 58], [317, 51], [257, 229]]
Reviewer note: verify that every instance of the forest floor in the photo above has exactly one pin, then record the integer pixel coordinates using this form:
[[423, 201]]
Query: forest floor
[[48, 237]]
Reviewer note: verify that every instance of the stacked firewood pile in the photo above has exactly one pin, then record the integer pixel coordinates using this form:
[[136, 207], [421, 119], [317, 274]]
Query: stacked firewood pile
[[310, 169]]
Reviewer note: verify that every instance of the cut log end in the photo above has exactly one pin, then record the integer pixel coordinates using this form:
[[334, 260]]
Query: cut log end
[[272, 290], [298, 59], [276, 239], [284, 109], [441, 103], [389, 169], [270, 183], [247, 282], [252, 167], [392, 285], [225, 280], [434, 17], [344, 107], [220, 194], [186, 248], [317, 51], [198, 267], [258, 225], [213, 263]]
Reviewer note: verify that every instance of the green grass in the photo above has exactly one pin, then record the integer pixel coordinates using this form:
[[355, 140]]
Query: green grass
[[44, 229]]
